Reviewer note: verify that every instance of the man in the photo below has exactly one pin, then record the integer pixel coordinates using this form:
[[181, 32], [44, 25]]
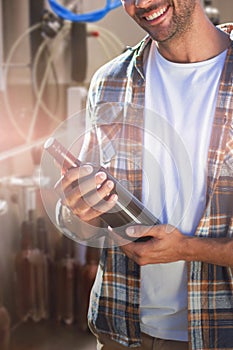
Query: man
[[174, 291]]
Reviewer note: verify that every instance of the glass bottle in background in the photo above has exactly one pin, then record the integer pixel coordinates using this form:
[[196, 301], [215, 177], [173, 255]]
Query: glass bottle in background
[[30, 271], [24, 274], [37, 265], [45, 296], [58, 281], [65, 281]]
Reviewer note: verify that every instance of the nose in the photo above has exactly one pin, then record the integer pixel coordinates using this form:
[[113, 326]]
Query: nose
[[142, 3]]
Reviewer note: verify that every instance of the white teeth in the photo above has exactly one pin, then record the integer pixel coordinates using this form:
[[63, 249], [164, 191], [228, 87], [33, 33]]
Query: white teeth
[[156, 14]]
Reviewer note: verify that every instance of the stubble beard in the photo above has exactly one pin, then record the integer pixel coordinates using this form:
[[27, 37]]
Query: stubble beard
[[180, 24]]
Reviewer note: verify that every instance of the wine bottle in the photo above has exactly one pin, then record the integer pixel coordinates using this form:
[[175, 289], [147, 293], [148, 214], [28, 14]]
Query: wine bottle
[[65, 282], [128, 210], [45, 287], [23, 271], [37, 265]]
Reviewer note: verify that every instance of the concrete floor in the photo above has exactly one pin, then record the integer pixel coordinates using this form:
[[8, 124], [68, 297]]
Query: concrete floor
[[50, 335]]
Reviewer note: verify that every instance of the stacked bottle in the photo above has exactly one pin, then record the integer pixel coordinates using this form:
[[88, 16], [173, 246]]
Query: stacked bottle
[[37, 262], [32, 271], [65, 280], [23, 269], [44, 271]]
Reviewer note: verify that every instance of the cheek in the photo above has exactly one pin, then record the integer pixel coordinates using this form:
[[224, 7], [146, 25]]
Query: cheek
[[129, 7]]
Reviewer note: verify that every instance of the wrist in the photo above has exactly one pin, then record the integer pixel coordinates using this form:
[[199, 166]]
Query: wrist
[[187, 250], [216, 251]]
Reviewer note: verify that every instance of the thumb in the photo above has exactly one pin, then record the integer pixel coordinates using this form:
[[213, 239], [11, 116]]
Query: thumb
[[138, 231]]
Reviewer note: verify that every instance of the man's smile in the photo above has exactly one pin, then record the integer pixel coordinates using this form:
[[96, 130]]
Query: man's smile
[[155, 14]]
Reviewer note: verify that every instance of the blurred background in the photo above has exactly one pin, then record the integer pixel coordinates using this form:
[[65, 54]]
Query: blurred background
[[46, 64]]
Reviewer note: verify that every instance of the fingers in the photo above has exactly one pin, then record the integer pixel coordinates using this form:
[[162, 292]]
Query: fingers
[[84, 194], [90, 213], [156, 231], [138, 231], [72, 175], [117, 239], [92, 204]]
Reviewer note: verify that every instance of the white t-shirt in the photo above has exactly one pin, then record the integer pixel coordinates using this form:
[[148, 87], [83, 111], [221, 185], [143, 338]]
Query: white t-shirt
[[180, 102]]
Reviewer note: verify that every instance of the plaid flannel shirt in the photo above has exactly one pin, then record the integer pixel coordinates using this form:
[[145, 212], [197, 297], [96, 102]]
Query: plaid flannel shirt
[[114, 307]]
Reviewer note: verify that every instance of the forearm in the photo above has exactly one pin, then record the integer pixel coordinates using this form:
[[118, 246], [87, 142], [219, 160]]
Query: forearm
[[218, 251]]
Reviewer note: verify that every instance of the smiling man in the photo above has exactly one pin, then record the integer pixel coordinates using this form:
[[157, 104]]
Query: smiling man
[[174, 291]]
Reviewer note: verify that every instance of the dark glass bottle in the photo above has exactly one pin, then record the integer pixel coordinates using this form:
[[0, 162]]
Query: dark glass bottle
[[31, 274], [45, 287], [24, 275], [37, 265], [65, 281]]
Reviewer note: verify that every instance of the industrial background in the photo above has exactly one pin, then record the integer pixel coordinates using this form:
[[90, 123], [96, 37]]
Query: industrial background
[[45, 69]]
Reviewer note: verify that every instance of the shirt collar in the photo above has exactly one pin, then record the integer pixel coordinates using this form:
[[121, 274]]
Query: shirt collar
[[140, 50]]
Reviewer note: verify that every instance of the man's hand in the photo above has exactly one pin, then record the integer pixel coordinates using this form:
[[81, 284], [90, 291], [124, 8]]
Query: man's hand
[[84, 194], [168, 244], [163, 247]]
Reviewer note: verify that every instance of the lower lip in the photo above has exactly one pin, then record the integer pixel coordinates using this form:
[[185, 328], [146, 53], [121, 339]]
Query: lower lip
[[158, 19]]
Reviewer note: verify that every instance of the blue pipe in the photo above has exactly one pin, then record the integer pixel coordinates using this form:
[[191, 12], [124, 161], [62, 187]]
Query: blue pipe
[[94, 16]]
